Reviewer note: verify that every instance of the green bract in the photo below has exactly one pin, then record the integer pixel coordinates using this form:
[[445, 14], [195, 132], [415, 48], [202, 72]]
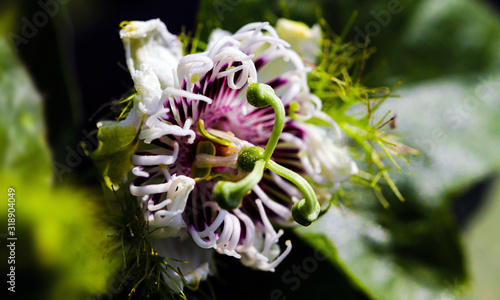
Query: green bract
[[117, 143]]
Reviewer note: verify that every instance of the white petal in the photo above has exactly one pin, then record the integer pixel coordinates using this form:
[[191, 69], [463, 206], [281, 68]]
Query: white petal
[[149, 42], [148, 89]]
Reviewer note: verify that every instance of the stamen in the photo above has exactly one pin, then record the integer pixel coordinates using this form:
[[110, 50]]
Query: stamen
[[204, 147], [206, 160], [200, 126], [229, 194]]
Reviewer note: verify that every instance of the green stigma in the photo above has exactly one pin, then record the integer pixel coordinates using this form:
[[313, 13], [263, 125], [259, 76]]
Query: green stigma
[[306, 210], [249, 156], [203, 147], [230, 194], [262, 95]]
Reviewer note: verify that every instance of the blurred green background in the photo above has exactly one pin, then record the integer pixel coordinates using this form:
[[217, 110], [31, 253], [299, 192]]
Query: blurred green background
[[58, 75]]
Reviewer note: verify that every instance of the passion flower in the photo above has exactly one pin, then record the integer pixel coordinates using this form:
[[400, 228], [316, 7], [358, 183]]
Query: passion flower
[[225, 151]]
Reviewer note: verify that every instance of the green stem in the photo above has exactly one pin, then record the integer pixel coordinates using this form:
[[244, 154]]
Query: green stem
[[306, 210]]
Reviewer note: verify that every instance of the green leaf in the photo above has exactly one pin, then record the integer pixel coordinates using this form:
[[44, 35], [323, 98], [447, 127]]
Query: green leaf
[[63, 243], [451, 116], [436, 39], [459, 140], [405, 252], [118, 141], [459, 137], [482, 245], [449, 109], [23, 149], [60, 241]]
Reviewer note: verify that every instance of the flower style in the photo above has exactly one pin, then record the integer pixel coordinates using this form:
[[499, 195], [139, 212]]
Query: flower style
[[225, 150]]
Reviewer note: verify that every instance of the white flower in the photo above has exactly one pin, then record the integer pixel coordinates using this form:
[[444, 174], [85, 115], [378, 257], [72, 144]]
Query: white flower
[[198, 123]]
